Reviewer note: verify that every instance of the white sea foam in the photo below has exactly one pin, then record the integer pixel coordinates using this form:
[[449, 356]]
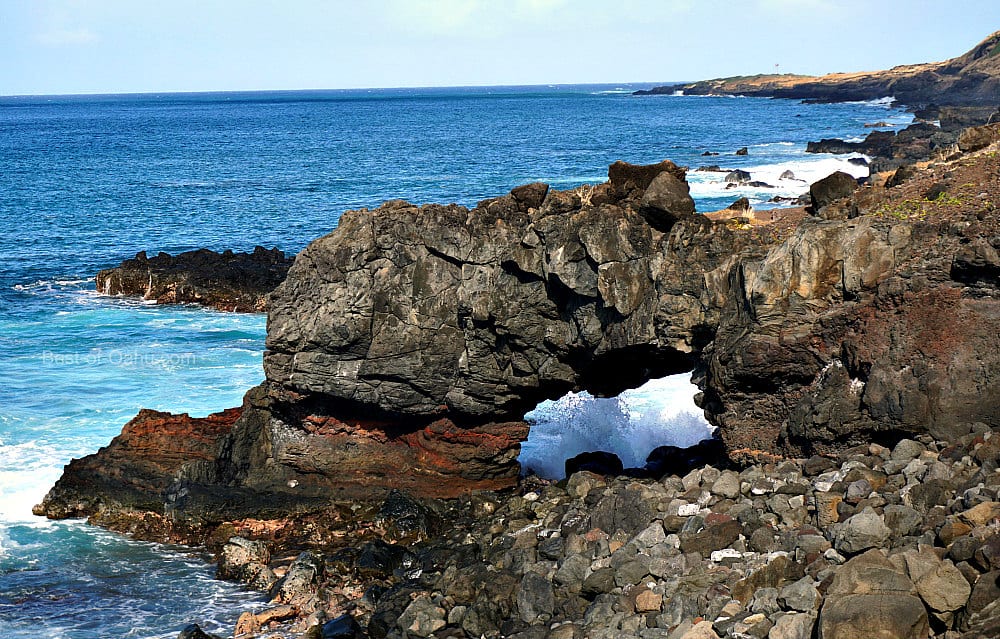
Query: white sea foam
[[660, 412], [51, 285], [27, 472], [807, 170], [885, 102]]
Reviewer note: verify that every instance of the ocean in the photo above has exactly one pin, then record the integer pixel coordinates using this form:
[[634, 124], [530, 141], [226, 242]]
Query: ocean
[[90, 180]]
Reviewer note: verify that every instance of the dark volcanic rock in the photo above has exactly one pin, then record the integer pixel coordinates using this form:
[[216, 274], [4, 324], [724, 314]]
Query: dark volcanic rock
[[664, 460], [599, 462], [742, 204], [479, 316], [227, 281], [873, 358], [194, 631], [343, 627], [405, 347], [830, 189], [738, 176], [980, 137], [666, 200]]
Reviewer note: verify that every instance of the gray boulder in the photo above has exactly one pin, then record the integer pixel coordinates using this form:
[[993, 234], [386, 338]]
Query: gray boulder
[[861, 532], [870, 597]]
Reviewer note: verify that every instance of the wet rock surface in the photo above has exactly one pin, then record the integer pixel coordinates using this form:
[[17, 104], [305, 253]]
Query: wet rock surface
[[127, 485], [226, 281]]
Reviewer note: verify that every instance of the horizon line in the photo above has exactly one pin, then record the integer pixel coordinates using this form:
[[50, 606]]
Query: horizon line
[[315, 90]]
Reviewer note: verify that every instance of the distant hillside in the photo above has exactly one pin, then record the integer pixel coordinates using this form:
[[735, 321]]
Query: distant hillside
[[972, 79]]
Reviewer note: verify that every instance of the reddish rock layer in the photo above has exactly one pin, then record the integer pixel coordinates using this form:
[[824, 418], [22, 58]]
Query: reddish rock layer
[[134, 472]]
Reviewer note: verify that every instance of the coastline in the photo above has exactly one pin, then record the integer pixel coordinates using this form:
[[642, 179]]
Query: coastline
[[928, 193], [457, 512]]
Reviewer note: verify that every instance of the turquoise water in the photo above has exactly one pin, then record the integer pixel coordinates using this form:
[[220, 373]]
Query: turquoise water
[[88, 181]]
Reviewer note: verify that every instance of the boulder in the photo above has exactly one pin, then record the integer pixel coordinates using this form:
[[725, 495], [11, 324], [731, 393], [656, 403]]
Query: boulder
[[869, 597], [801, 595], [666, 200], [630, 181], [342, 627], [535, 597], [194, 631], [833, 187], [738, 176], [246, 561], [861, 532], [901, 175], [530, 196], [977, 138], [943, 588], [422, 618], [597, 462], [793, 626], [741, 204]]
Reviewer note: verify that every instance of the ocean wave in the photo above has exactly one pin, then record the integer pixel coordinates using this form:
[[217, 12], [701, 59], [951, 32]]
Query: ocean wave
[[27, 470], [660, 412], [886, 102], [807, 170], [51, 285]]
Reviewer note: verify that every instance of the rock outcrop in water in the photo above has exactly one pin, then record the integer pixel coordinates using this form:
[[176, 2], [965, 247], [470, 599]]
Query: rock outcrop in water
[[226, 281], [131, 485]]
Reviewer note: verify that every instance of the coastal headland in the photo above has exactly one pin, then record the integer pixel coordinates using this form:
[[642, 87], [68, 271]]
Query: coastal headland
[[848, 354], [970, 80]]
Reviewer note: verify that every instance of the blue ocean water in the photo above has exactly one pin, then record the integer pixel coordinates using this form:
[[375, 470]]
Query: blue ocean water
[[90, 180]]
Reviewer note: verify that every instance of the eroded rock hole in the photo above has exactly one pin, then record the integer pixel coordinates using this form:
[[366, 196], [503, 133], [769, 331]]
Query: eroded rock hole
[[661, 412]]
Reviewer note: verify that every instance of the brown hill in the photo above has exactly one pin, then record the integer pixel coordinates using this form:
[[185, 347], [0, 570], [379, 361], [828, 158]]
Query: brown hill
[[972, 79]]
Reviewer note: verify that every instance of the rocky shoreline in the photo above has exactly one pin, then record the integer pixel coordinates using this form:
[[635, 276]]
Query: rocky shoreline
[[848, 354], [883, 303], [900, 542]]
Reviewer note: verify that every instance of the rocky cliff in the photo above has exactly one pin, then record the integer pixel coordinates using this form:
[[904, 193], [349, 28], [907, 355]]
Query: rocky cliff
[[968, 80], [480, 314]]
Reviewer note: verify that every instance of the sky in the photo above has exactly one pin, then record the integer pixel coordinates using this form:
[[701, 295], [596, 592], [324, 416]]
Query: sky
[[132, 46]]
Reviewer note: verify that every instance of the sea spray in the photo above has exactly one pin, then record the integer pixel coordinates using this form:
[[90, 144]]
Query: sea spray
[[659, 413]]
